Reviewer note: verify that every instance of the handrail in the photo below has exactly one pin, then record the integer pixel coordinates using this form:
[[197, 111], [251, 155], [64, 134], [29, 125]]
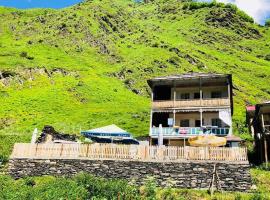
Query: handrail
[[223, 98], [191, 103], [171, 131]]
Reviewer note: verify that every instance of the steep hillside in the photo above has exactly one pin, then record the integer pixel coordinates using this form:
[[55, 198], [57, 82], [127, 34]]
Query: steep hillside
[[87, 65]]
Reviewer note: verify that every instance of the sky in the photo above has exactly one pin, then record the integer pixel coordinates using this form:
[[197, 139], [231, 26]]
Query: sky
[[258, 9], [38, 3]]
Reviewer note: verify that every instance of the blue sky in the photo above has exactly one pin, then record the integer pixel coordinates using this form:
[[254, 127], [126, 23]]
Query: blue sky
[[38, 3]]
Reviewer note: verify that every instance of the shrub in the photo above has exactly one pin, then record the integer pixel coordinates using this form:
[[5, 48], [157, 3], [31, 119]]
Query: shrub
[[23, 54], [149, 190], [267, 57], [198, 5], [3, 159], [245, 16], [10, 189], [257, 196], [109, 189], [59, 188], [233, 7], [267, 23]]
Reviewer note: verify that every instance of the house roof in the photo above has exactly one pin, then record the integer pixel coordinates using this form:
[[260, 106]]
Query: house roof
[[266, 103], [108, 129], [186, 76]]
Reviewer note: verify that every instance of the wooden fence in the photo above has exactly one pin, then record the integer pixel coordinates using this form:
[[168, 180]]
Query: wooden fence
[[130, 152]]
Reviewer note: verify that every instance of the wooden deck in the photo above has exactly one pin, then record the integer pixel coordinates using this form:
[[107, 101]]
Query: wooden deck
[[191, 103], [127, 152]]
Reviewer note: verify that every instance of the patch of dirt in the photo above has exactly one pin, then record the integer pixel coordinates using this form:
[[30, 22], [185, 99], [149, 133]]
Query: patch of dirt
[[6, 122]]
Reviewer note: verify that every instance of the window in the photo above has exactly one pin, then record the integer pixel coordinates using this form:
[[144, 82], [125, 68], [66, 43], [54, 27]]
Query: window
[[198, 123], [196, 95], [216, 94], [184, 123], [216, 122], [185, 96]]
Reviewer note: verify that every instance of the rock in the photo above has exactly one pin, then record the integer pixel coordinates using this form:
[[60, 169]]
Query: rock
[[49, 131]]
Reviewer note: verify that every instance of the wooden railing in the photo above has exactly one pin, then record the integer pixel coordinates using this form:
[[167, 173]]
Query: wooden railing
[[127, 152], [191, 103], [189, 131]]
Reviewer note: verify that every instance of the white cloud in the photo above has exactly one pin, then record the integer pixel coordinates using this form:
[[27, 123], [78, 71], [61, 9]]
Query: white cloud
[[258, 9]]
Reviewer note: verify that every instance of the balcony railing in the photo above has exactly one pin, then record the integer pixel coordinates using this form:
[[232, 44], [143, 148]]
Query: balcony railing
[[191, 103], [189, 131], [267, 127]]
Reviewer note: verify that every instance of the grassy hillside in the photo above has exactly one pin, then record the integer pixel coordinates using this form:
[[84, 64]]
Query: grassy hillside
[[86, 66]]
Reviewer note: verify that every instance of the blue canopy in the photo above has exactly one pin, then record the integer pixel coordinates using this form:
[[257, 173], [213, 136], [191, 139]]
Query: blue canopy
[[107, 131]]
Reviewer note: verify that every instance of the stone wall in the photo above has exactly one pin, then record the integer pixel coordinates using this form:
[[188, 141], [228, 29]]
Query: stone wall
[[186, 174]]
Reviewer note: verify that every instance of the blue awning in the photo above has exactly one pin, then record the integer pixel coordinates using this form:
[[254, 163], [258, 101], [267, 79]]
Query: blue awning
[[107, 131], [96, 134]]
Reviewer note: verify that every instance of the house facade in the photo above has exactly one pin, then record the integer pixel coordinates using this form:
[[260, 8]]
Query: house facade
[[189, 105], [258, 120]]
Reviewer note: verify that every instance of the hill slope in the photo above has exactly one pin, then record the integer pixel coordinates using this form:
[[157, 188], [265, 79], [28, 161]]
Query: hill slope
[[87, 65]]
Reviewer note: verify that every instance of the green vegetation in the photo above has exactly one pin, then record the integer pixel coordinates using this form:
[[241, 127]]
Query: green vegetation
[[84, 186], [86, 66], [267, 23]]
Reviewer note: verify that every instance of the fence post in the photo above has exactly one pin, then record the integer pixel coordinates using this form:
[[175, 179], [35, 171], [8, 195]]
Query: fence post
[[61, 151], [146, 151]]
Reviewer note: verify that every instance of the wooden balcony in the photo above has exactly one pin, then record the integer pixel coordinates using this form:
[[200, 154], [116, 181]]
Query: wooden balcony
[[188, 131], [191, 103]]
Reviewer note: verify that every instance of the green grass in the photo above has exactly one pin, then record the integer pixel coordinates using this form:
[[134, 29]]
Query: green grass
[[108, 49]]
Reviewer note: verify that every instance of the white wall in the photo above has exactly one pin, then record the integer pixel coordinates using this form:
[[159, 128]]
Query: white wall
[[206, 91], [196, 116]]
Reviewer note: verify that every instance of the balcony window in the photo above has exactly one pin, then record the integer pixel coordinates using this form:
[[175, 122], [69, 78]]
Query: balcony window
[[184, 123], [185, 96], [196, 95], [216, 94], [216, 122], [198, 123]]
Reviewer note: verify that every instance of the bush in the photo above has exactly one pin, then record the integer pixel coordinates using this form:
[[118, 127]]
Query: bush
[[101, 188], [245, 16], [231, 6], [149, 190], [267, 57], [23, 54], [29, 188], [59, 188], [267, 23], [10, 189], [198, 5], [264, 166], [3, 159]]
